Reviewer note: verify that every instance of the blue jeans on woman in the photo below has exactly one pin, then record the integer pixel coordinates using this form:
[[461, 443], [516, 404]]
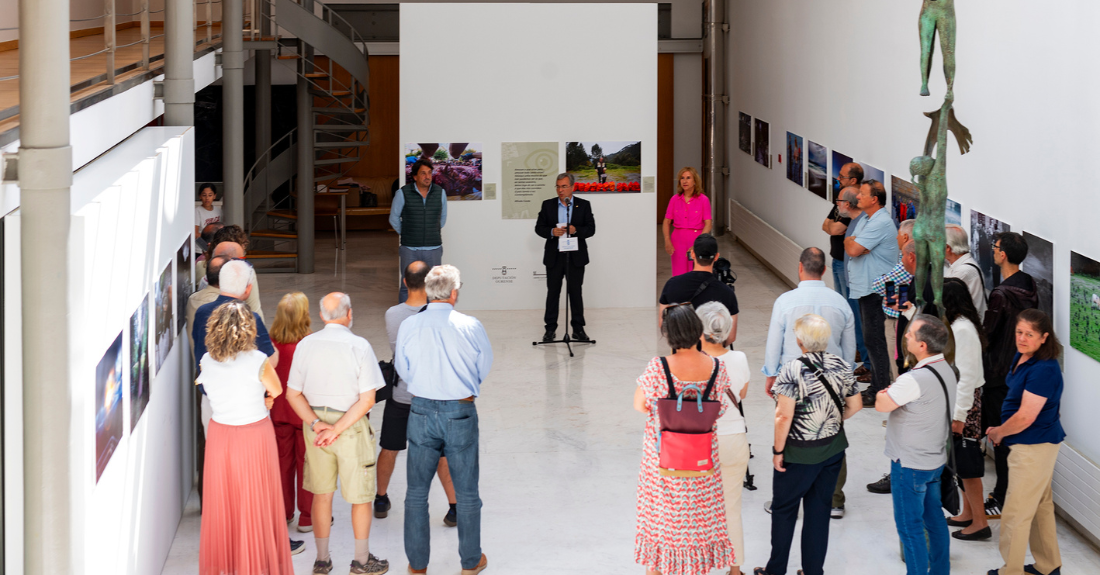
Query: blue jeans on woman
[[448, 429], [916, 495]]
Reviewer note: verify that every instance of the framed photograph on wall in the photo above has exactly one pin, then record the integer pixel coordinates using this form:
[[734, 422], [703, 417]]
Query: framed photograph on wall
[[1039, 264], [139, 361], [1084, 305], [904, 200], [162, 314], [838, 162], [762, 150], [817, 175], [794, 158], [605, 167], [744, 132], [185, 284], [982, 230], [456, 167], [109, 428]]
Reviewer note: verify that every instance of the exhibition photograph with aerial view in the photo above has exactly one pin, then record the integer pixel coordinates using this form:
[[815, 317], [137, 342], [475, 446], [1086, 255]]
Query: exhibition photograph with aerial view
[[684, 287]]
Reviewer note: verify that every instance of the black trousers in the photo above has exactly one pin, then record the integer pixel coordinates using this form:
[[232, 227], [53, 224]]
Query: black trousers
[[810, 486], [554, 276], [874, 338], [993, 397]]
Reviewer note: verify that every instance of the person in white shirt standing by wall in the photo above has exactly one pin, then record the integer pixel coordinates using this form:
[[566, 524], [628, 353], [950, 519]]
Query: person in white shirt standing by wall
[[960, 264]]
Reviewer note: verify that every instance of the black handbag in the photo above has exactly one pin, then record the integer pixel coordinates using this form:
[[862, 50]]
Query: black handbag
[[949, 481], [389, 375]]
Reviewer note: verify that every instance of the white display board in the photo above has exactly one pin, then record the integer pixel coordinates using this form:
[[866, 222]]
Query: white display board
[[496, 73]]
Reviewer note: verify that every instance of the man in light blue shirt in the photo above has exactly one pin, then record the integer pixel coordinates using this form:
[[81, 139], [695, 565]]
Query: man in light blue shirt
[[418, 214], [444, 356], [873, 248]]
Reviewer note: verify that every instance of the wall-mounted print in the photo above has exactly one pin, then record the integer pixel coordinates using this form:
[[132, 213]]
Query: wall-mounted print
[[905, 199], [162, 314], [838, 162], [982, 230], [762, 151], [872, 173], [108, 406], [794, 158], [185, 285], [605, 167], [817, 175], [744, 132], [456, 167], [1084, 305], [139, 361], [954, 213], [1039, 264]]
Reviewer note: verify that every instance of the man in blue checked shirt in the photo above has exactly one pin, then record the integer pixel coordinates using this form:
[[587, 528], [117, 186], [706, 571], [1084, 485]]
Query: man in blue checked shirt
[[444, 356]]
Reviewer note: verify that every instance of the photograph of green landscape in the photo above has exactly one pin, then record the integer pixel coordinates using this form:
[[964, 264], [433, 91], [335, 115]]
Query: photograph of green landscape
[[1084, 305], [605, 166]]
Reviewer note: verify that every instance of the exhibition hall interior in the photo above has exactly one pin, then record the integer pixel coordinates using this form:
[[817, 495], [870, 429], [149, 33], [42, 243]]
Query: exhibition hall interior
[[506, 230]]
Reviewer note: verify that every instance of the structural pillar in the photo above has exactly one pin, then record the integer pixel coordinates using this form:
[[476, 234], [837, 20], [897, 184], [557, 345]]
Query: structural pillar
[[179, 54], [715, 100], [263, 87], [233, 111], [45, 174], [305, 185]]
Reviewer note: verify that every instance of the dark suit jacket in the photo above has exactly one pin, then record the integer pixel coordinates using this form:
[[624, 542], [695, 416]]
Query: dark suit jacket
[[581, 219]]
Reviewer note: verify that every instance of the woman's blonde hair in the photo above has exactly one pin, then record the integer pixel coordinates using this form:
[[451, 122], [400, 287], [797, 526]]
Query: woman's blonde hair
[[230, 330], [813, 332], [695, 176], [291, 318]]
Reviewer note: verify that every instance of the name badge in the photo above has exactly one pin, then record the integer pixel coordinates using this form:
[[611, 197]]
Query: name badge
[[568, 244]]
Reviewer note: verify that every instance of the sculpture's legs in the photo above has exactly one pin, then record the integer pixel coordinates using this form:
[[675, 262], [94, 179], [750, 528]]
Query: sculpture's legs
[[927, 35], [937, 258], [921, 275], [946, 29]]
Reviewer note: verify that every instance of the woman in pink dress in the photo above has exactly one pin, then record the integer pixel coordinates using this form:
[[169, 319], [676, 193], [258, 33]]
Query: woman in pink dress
[[681, 520], [688, 215]]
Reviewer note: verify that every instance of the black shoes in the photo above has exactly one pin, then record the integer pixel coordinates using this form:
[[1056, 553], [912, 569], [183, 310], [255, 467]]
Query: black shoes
[[1030, 568], [993, 507], [381, 506], [297, 547], [579, 335], [549, 336], [451, 519], [882, 486], [979, 535], [952, 523], [868, 398]]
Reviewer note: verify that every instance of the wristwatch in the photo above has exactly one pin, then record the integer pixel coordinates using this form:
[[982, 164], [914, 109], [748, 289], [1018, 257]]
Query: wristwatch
[[774, 452], [314, 422]]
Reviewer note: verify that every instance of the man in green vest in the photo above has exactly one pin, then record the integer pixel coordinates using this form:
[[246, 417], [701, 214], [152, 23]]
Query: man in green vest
[[418, 214]]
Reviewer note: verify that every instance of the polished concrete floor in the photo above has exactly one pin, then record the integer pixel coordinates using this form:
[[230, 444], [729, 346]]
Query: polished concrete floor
[[560, 443]]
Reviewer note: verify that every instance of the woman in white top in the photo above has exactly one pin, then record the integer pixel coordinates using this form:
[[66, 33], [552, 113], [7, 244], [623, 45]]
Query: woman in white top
[[207, 213], [733, 442], [243, 520], [966, 419]]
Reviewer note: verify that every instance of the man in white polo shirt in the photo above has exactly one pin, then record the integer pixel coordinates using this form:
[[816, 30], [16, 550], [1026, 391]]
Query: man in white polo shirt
[[331, 387]]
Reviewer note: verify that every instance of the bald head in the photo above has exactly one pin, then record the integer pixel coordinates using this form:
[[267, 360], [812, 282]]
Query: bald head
[[415, 274], [231, 250], [336, 308], [849, 172]]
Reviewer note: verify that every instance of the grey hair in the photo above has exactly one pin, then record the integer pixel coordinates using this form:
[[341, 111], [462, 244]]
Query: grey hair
[[929, 330], [906, 227], [812, 332], [850, 196], [909, 248], [717, 322], [566, 176], [234, 278], [957, 240], [441, 281], [340, 311]]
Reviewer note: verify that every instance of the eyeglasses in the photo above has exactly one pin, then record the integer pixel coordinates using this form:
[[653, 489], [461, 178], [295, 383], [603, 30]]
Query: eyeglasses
[[997, 247]]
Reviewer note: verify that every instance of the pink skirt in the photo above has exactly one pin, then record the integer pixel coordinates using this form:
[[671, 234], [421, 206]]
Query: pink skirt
[[243, 520]]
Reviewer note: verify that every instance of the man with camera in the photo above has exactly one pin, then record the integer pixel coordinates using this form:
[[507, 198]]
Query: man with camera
[[700, 285], [566, 222]]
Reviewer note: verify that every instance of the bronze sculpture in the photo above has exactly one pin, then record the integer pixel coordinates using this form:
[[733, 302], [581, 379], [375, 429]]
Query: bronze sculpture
[[930, 176], [937, 16]]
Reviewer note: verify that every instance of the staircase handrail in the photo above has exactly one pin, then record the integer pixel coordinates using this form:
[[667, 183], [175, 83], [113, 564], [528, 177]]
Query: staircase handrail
[[327, 14], [262, 162]]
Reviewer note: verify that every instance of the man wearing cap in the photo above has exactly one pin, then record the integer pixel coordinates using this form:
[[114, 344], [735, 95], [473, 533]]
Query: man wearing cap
[[700, 285]]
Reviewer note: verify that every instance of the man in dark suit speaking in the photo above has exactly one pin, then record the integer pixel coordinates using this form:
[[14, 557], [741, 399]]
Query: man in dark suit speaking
[[566, 222]]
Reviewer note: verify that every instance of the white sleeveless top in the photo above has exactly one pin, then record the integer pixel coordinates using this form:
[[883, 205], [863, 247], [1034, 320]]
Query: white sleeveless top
[[234, 387]]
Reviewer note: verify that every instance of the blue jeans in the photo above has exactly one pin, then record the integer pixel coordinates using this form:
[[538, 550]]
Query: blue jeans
[[916, 495], [840, 279], [810, 486], [860, 347], [407, 256], [448, 429]]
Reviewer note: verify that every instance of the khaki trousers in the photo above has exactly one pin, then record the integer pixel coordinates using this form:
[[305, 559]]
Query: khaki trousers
[[1028, 514], [733, 455], [892, 346]]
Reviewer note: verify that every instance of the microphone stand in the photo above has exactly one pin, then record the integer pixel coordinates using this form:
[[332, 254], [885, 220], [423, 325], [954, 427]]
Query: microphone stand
[[565, 338]]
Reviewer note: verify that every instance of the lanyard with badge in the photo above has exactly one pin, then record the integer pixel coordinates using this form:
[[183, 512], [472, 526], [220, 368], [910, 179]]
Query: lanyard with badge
[[566, 243]]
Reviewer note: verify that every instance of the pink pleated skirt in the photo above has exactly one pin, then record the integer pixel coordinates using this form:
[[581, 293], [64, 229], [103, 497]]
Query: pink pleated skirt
[[243, 520]]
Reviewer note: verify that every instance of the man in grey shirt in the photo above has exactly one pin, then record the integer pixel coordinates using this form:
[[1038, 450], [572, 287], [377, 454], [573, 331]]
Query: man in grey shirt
[[916, 443], [395, 418]]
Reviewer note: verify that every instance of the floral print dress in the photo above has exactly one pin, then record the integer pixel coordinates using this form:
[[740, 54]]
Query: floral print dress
[[681, 520]]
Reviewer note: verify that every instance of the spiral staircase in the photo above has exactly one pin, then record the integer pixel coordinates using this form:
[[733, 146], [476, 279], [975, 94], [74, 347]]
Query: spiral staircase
[[338, 82]]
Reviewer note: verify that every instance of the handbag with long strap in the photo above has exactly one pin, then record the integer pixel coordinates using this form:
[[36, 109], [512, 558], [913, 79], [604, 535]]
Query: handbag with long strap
[[686, 432], [949, 481], [389, 375], [829, 388]]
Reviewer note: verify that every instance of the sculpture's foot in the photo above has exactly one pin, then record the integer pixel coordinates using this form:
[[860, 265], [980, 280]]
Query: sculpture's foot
[[924, 90]]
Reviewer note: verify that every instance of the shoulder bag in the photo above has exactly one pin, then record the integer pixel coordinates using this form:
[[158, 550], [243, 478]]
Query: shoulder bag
[[949, 482], [686, 432], [389, 376], [829, 388]]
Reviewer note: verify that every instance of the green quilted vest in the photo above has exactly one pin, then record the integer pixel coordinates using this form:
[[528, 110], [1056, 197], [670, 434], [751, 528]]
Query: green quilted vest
[[420, 220]]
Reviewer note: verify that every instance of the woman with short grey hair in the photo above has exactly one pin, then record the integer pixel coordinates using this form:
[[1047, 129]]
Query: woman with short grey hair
[[733, 441], [814, 394]]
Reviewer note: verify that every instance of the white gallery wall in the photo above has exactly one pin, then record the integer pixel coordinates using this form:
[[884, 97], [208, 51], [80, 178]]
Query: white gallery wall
[[132, 210], [494, 73], [846, 74]]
